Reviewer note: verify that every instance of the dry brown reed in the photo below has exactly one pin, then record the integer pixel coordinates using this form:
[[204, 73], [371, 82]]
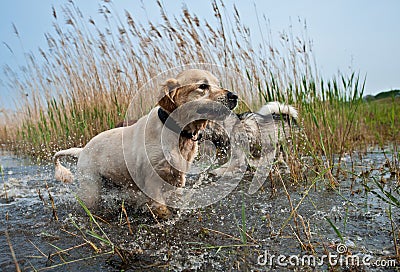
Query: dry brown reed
[[84, 81]]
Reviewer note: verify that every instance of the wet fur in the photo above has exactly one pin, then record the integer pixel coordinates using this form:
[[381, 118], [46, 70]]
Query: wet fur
[[103, 156], [265, 129]]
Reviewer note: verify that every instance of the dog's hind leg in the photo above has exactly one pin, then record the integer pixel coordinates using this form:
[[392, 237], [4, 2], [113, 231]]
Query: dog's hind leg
[[89, 189]]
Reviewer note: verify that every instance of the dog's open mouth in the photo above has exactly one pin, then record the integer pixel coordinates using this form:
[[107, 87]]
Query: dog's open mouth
[[231, 100]]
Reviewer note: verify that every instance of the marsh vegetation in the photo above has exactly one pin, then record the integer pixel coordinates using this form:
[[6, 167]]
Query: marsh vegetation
[[345, 150]]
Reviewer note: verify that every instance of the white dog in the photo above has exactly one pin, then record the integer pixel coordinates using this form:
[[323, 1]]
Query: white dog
[[259, 143]]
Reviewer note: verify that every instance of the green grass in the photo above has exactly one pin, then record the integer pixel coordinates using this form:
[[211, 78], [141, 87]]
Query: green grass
[[384, 195], [381, 120], [83, 83]]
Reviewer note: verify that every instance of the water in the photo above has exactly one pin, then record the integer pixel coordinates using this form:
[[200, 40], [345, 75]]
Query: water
[[229, 235]]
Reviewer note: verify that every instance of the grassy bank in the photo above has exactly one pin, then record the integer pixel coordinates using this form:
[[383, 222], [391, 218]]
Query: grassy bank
[[89, 77], [84, 82]]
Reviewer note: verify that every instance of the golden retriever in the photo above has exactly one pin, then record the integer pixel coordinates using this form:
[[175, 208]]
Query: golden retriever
[[134, 156]]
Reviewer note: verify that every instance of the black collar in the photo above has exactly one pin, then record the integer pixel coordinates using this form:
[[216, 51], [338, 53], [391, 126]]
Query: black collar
[[171, 124]]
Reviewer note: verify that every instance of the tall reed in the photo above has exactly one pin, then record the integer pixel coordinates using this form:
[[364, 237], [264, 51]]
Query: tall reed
[[83, 82]]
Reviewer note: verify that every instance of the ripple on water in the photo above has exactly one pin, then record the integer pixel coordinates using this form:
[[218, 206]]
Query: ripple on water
[[180, 242]]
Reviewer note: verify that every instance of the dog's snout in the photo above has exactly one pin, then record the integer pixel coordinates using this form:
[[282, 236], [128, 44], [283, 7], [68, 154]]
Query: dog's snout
[[232, 96]]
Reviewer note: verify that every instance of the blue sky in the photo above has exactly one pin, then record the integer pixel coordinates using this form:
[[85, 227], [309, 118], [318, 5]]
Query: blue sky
[[348, 35]]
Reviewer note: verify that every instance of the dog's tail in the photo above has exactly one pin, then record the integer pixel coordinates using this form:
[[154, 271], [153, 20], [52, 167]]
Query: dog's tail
[[61, 173], [278, 108], [280, 111]]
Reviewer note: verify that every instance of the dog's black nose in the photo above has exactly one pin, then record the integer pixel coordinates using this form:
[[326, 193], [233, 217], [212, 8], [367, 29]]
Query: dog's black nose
[[232, 96]]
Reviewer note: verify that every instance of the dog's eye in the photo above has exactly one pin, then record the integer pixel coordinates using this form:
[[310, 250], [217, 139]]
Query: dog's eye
[[204, 86]]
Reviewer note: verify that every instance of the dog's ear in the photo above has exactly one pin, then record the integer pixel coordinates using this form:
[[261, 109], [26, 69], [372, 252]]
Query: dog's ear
[[171, 84], [166, 102]]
